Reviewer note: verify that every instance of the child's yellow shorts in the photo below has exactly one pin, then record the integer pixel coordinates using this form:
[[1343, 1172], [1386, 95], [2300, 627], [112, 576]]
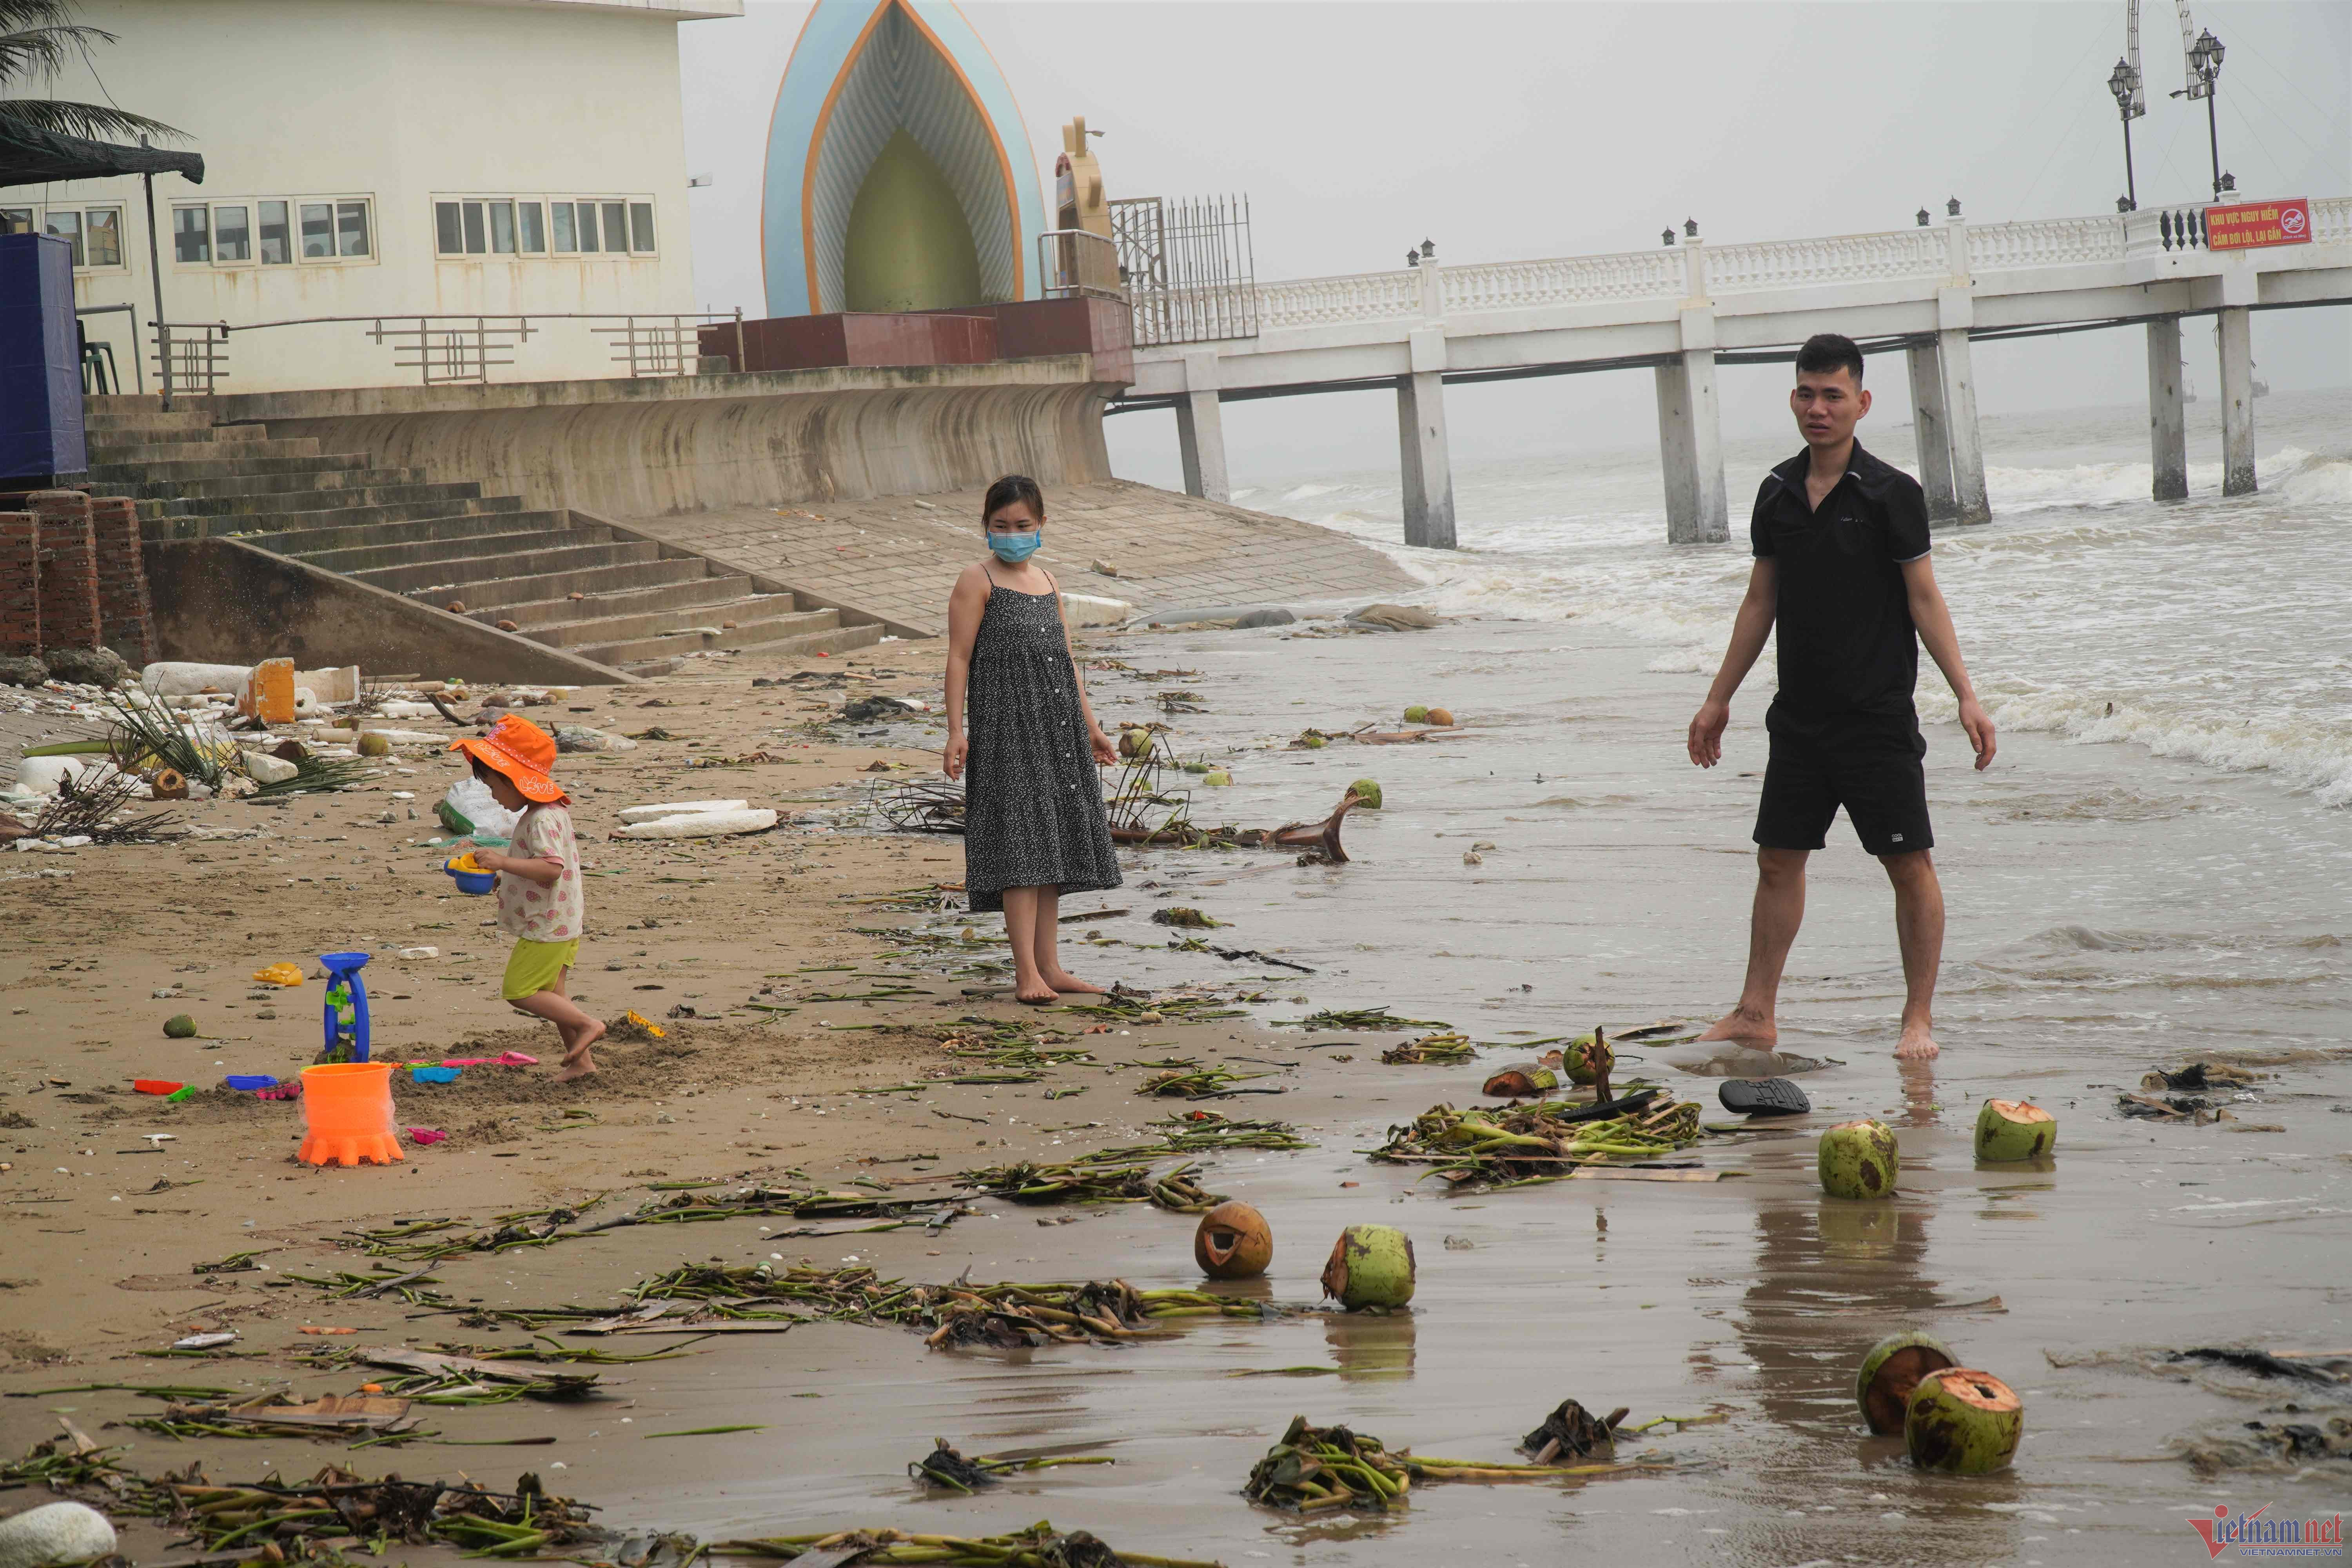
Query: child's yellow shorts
[[536, 966]]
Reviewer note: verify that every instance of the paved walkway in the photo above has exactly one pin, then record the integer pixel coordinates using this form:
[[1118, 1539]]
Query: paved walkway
[[895, 557]]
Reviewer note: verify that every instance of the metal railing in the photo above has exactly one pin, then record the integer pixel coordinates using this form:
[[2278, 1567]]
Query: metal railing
[[1078, 263], [194, 356], [1189, 266]]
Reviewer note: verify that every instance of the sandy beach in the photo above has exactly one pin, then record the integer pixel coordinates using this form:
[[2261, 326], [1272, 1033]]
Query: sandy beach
[[1609, 886]]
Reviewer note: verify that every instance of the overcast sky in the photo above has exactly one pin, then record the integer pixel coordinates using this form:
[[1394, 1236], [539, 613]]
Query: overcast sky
[[1503, 132]]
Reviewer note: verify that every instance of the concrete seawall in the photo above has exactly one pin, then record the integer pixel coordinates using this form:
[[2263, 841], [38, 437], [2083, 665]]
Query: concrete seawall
[[653, 446]]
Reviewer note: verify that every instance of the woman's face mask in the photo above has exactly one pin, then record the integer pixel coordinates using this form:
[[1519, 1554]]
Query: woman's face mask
[[1012, 548]]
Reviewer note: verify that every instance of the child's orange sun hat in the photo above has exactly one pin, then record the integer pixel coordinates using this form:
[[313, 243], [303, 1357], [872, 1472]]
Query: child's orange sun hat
[[523, 753]]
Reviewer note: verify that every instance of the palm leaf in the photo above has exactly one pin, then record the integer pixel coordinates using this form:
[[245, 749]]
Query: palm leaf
[[88, 120]]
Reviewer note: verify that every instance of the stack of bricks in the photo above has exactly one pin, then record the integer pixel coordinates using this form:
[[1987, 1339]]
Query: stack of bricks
[[69, 580], [126, 618], [20, 584]]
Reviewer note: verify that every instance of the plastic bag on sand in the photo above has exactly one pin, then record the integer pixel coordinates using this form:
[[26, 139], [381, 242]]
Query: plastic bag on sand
[[700, 824], [469, 802], [679, 808]]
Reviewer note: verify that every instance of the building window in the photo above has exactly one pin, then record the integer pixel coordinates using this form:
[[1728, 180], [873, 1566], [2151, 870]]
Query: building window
[[528, 225], [503, 228], [192, 236], [232, 238], [586, 223], [532, 228], [15, 220], [351, 228], [318, 230], [276, 239], [565, 240], [66, 226], [93, 234], [641, 226]]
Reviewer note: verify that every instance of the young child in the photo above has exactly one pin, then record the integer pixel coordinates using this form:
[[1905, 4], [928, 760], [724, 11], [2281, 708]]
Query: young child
[[1018, 720], [539, 902]]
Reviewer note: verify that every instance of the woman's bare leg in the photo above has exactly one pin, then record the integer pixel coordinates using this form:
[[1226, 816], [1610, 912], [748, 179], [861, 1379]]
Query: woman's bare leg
[[1029, 984], [1046, 951]]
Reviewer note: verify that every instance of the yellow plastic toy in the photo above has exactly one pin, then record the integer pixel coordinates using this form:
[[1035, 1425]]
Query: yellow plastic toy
[[278, 975]]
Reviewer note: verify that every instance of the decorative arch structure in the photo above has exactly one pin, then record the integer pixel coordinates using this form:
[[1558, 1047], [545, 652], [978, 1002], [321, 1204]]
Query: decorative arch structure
[[899, 175]]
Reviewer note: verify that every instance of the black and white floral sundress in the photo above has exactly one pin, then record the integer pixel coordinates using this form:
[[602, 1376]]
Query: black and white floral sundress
[[1033, 810]]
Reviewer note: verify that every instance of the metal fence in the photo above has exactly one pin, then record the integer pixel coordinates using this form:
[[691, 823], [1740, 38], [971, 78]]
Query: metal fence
[[1075, 263], [194, 356], [1189, 267]]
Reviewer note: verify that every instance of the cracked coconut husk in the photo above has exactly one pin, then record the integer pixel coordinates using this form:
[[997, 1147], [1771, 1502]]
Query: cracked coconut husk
[[1573, 1431]]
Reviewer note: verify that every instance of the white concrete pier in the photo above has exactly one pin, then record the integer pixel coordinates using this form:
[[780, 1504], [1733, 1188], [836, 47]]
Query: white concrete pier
[[2168, 422], [2231, 336], [1682, 309]]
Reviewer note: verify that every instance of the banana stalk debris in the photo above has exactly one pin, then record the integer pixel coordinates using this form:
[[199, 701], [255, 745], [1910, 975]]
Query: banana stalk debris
[[1542, 1141], [1039, 1546], [944, 1466], [1317, 1467], [1202, 1083], [1089, 1181], [1449, 1046]]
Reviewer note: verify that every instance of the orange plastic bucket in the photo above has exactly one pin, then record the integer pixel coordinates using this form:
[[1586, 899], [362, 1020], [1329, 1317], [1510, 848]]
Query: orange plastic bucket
[[347, 1111]]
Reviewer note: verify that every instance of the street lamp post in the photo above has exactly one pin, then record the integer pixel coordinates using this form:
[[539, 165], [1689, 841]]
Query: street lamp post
[[2124, 82], [2205, 58]]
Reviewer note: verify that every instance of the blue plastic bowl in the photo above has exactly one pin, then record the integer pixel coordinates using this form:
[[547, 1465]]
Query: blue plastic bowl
[[250, 1080], [434, 1075], [472, 881]]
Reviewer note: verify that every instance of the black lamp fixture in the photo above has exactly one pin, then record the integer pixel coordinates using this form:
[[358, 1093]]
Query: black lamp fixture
[[1665, 237], [2124, 82], [1690, 227], [2205, 60], [1428, 250], [1923, 217], [1952, 207], [1411, 257]]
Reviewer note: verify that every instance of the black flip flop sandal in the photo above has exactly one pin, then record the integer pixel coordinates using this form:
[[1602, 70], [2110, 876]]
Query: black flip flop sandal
[[1764, 1097]]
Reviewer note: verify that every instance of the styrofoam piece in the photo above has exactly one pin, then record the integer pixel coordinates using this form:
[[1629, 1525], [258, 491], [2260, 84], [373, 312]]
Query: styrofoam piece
[[1093, 610], [394, 707], [42, 774], [174, 678], [701, 825], [679, 807], [263, 768], [331, 685]]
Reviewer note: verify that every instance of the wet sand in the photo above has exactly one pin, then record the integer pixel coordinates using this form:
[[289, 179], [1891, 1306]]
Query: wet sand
[[2109, 911]]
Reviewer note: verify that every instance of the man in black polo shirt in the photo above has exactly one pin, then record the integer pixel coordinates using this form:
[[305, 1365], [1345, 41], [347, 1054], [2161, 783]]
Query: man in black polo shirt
[[1841, 573]]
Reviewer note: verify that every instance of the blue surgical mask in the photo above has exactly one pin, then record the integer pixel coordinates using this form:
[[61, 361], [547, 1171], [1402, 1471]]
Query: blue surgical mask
[[1012, 548]]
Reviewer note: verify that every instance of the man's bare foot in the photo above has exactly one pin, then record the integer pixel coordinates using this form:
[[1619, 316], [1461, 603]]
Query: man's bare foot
[[1749, 1026], [1062, 980], [1916, 1044]]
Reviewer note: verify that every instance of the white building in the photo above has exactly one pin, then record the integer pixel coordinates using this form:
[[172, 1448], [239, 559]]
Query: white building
[[442, 161]]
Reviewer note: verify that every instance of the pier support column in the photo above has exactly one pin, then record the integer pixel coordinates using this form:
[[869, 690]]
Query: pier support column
[[2168, 424], [2232, 332], [1931, 428], [1959, 385], [1201, 434], [1426, 462], [1690, 450]]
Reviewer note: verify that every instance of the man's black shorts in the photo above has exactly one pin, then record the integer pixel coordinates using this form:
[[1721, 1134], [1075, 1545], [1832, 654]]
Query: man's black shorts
[[1872, 770]]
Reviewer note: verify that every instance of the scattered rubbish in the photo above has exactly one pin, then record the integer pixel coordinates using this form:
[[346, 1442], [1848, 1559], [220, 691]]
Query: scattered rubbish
[[278, 975], [1543, 1140], [1963, 1422], [865, 709], [346, 1114], [583, 738], [266, 1416], [2200, 1075], [1763, 1097], [700, 824], [234, 1263], [1232, 1242], [678, 808], [1521, 1080], [1451, 1047], [2014, 1130], [1573, 1432], [427, 951], [1370, 1266], [1314, 1467], [2194, 1108], [1039, 1546], [1093, 1184], [56, 1535], [2263, 1363], [179, 1026], [1201, 1083], [1393, 619], [2277, 1447], [203, 1342], [1858, 1160], [1373, 1019], [943, 1466], [1187, 919], [1892, 1371]]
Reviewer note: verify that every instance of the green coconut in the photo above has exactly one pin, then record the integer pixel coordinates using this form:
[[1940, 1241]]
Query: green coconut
[[1576, 1061], [1367, 793], [1134, 743], [1963, 1422], [1417, 714], [1859, 1160], [1522, 1080], [372, 745], [1216, 778], [2014, 1130], [1370, 1266], [1891, 1370], [179, 1026], [1195, 767], [1314, 742]]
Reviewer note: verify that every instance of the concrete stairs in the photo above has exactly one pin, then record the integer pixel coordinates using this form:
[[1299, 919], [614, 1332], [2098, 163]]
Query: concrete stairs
[[587, 587]]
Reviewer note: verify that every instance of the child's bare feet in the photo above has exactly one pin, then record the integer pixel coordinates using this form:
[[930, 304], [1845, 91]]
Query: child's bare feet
[[1063, 982], [577, 1062]]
